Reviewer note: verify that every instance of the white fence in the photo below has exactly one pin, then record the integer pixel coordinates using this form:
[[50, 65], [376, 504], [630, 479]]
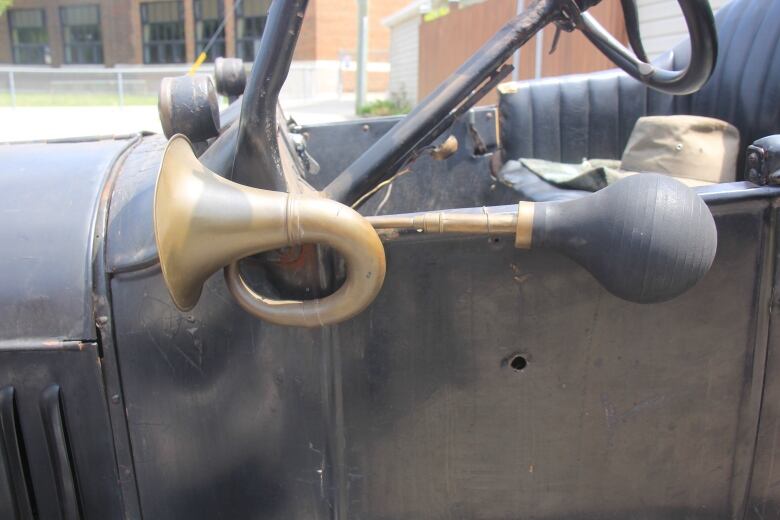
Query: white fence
[[138, 85], [20, 85]]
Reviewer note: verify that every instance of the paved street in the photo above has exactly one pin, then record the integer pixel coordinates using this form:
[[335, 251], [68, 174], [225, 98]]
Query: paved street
[[33, 123]]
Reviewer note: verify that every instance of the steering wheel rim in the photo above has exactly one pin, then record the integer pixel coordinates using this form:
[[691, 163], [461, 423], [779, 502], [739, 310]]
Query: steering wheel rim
[[704, 50]]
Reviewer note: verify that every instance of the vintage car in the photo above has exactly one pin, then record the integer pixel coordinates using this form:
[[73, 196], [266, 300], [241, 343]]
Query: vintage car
[[380, 354]]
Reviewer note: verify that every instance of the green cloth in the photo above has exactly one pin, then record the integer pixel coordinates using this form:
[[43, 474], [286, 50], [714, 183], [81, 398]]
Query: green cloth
[[589, 175]]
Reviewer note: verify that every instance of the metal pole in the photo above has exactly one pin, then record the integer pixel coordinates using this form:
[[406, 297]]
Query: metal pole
[[362, 56], [516, 58], [539, 61], [12, 88], [120, 89], [340, 82]]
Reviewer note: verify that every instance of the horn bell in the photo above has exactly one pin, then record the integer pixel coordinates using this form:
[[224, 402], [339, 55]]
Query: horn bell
[[204, 222]]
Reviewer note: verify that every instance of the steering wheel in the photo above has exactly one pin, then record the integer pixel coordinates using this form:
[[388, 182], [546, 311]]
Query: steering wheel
[[701, 28]]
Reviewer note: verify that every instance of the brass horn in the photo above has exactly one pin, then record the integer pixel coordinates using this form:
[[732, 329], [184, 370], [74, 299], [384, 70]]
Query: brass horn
[[204, 222]]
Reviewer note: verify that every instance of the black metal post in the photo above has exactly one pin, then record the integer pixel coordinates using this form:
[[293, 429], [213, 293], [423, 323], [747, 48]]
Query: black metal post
[[256, 162]]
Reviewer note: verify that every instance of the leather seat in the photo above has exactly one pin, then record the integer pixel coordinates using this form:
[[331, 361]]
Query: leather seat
[[591, 115]]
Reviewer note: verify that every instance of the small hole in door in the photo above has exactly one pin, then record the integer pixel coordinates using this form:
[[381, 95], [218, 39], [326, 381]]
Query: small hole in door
[[518, 363]]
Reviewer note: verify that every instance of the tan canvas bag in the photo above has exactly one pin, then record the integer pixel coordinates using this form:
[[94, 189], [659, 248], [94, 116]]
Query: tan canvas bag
[[700, 149]]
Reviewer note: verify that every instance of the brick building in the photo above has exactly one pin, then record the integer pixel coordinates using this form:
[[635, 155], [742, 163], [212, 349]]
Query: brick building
[[118, 32]]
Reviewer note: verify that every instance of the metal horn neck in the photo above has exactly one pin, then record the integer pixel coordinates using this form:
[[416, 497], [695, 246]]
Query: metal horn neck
[[484, 221]]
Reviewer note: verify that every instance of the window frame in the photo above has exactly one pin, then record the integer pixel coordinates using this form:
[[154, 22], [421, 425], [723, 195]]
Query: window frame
[[45, 48], [200, 43], [242, 41], [165, 45], [96, 46]]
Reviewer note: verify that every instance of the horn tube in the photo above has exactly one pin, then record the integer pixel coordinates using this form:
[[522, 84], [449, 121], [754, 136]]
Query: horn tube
[[647, 238], [204, 222]]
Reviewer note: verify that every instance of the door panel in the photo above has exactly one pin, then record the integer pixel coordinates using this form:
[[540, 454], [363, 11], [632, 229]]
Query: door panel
[[414, 409]]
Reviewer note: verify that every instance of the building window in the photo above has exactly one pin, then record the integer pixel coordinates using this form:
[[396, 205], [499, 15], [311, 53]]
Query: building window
[[81, 34], [163, 32], [208, 17], [29, 37], [250, 22]]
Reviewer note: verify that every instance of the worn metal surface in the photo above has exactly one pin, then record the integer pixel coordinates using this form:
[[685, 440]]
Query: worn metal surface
[[258, 161], [763, 161], [764, 496], [413, 410], [462, 180], [230, 77], [130, 233], [484, 382], [49, 195], [16, 500], [188, 105], [101, 297], [62, 431]]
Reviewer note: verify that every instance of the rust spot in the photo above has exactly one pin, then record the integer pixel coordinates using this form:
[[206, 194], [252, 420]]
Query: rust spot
[[297, 257]]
